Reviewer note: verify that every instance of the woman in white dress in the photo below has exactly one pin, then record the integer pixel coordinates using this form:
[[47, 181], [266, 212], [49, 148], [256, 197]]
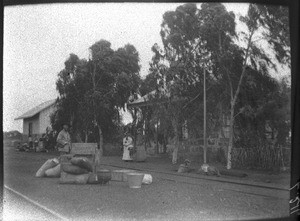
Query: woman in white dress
[[127, 147]]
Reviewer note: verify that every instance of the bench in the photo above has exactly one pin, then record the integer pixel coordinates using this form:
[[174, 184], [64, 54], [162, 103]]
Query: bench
[[82, 150]]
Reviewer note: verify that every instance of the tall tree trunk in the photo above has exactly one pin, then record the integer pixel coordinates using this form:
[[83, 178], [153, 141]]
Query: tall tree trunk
[[86, 136], [144, 134], [98, 152], [78, 137], [135, 136], [234, 100], [165, 140], [100, 142], [176, 143], [230, 144]]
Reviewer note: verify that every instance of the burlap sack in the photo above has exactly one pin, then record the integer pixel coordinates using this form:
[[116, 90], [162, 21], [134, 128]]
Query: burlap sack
[[82, 162], [73, 169], [147, 179], [47, 165], [53, 172], [66, 178]]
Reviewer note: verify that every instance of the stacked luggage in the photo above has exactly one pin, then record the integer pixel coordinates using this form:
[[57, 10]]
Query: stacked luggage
[[72, 169], [69, 169], [75, 170]]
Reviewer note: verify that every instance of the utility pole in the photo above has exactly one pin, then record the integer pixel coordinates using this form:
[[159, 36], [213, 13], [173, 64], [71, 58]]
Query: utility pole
[[98, 151], [205, 166], [204, 116]]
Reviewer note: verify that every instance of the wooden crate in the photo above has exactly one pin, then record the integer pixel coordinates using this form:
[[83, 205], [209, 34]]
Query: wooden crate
[[120, 175]]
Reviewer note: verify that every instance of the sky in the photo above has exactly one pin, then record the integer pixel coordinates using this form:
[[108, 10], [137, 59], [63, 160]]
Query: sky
[[39, 38]]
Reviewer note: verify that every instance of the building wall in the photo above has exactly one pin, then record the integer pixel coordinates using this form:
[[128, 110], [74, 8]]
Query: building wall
[[45, 118], [35, 125], [39, 123]]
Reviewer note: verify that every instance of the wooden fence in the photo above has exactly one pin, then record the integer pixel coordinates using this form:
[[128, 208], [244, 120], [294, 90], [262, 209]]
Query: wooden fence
[[266, 157]]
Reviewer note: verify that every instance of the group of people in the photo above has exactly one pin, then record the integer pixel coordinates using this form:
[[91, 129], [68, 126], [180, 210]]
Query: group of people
[[64, 144]]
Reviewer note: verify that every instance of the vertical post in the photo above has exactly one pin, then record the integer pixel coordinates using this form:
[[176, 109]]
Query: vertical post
[[156, 138], [204, 116], [98, 152]]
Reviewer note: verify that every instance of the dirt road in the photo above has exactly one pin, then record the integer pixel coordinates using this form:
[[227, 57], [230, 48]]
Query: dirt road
[[167, 198]]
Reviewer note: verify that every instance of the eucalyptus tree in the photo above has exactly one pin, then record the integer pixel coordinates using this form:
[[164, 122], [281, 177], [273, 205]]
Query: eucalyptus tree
[[189, 36], [93, 91], [206, 37], [254, 56]]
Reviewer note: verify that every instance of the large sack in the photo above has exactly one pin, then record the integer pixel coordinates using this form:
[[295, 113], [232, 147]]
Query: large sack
[[65, 158], [82, 162], [147, 179], [101, 177], [66, 178], [93, 179], [53, 172], [73, 169], [47, 165], [183, 169]]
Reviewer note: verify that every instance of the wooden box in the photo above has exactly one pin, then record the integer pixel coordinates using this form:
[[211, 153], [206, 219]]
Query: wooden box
[[120, 175]]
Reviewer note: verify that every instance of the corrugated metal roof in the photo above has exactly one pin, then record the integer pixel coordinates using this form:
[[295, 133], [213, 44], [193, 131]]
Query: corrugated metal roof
[[36, 109]]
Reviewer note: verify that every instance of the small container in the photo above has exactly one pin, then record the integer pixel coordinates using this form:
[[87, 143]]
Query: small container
[[147, 179], [117, 175], [120, 175], [125, 172], [135, 179], [104, 176], [204, 167]]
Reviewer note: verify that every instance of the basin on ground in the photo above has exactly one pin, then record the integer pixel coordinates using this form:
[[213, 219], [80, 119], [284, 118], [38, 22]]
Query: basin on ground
[[135, 179]]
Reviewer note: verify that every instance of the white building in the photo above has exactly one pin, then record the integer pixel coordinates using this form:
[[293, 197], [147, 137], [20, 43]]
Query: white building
[[36, 120]]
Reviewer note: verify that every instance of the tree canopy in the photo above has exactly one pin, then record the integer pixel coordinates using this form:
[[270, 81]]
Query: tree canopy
[[239, 85], [93, 91], [241, 94]]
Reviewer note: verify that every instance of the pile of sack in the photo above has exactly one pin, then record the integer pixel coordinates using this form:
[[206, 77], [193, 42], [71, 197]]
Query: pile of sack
[[51, 168], [76, 170]]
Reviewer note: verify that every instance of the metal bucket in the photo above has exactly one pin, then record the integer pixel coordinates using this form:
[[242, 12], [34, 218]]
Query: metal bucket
[[125, 172], [135, 179]]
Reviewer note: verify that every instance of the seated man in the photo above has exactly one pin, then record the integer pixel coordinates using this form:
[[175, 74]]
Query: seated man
[[64, 140]]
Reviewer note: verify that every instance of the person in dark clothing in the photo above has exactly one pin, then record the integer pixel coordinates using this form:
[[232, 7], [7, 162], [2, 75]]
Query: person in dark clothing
[[64, 140]]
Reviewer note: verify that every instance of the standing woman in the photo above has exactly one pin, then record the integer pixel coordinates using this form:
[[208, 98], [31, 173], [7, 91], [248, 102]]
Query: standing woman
[[64, 140], [127, 148]]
